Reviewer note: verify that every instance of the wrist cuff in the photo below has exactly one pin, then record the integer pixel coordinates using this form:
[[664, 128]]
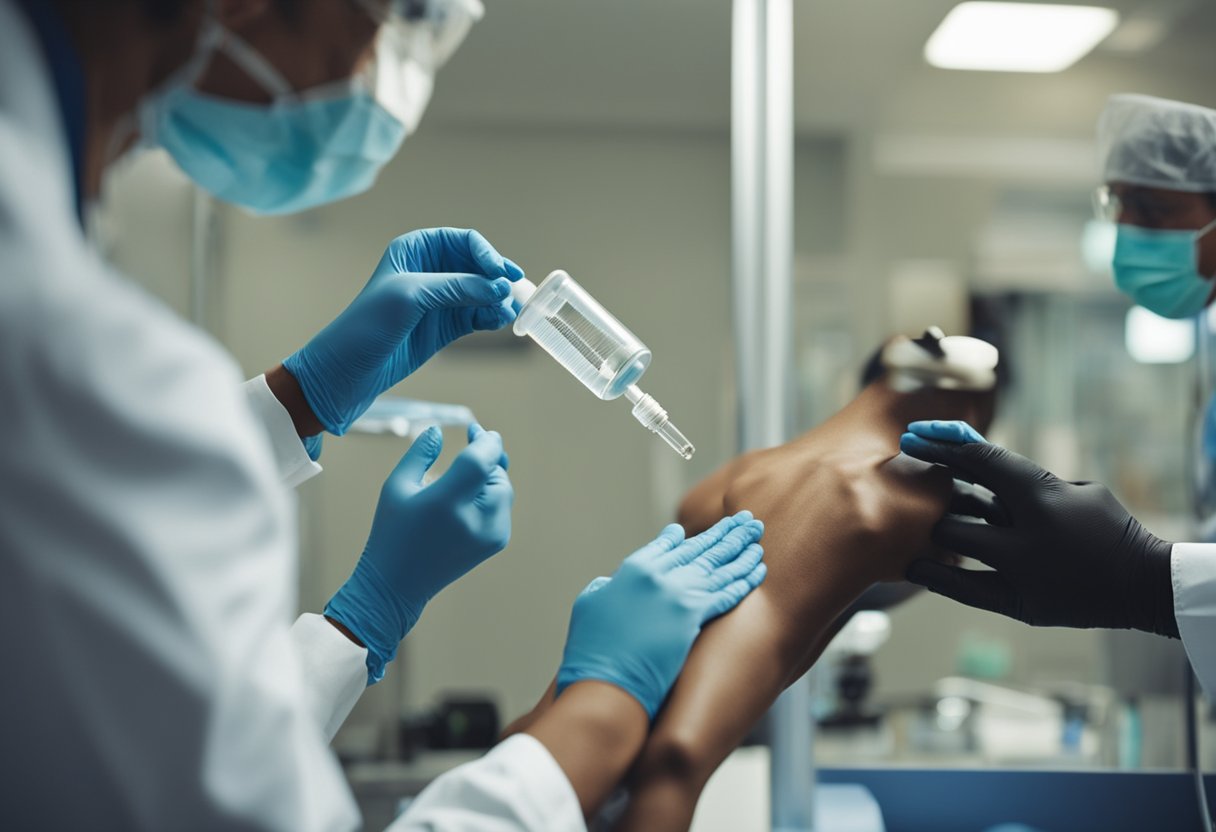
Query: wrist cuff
[[367, 606], [568, 676], [312, 444], [316, 394], [1159, 590]]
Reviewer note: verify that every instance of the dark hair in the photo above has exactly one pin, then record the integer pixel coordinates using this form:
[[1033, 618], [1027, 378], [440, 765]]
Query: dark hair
[[162, 11], [167, 11]]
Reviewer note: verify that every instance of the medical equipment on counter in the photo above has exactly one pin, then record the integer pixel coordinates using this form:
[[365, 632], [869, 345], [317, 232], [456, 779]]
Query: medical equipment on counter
[[594, 346], [845, 676], [408, 418], [947, 362]]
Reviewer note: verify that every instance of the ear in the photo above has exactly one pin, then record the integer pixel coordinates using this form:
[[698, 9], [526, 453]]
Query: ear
[[234, 14]]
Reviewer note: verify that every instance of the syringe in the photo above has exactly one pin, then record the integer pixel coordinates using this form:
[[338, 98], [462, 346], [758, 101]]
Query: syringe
[[594, 346]]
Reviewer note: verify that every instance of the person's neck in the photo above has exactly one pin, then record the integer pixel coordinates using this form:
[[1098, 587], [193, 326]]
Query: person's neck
[[900, 408], [123, 57], [887, 412]]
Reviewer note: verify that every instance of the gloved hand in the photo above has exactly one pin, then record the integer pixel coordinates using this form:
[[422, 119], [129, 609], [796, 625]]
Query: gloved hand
[[1065, 554], [431, 287], [424, 538], [635, 629]]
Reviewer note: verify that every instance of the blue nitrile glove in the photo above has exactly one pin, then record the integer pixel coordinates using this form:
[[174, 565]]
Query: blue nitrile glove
[[431, 287], [635, 629], [1062, 554], [423, 538]]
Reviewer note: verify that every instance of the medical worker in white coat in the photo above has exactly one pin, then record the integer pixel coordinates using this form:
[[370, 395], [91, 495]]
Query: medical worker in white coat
[[152, 677], [1068, 554]]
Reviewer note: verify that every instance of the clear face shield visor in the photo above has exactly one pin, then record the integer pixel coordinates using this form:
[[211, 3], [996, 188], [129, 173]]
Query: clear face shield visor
[[416, 38]]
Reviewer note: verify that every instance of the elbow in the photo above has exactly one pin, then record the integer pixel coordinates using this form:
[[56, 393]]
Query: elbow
[[675, 760]]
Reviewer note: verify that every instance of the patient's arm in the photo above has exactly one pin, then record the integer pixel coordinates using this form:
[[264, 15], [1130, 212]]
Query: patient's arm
[[842, 510]]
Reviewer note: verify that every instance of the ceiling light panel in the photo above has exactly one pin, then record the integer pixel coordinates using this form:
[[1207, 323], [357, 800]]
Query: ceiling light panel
[[1018, 37]]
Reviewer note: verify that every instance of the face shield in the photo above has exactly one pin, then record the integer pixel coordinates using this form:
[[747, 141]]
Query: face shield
[[416, 38]]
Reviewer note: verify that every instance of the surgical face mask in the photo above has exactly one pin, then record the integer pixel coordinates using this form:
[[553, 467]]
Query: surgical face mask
[[302, 150], [1159, 269]]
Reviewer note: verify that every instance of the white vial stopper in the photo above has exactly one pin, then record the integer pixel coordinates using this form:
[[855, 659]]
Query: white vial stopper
[[522, 290]]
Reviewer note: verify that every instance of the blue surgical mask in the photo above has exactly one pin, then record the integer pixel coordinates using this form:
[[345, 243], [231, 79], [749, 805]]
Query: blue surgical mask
[[300, 151], [1159, 270]]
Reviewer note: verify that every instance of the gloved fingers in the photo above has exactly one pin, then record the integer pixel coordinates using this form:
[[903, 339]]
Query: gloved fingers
[[982, 590], [727, 598], [514, 272], [418, 459], [1008, 475], [596, 585], [482, 257], [669, 538], [458, 291], [955, 431], [474, 465], [730, 547], [695, 546], [974, 539], [736, 568], [491, 318], [976, 501]]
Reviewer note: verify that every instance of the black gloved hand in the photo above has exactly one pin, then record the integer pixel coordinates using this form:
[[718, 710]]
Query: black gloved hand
[[1064, 554]]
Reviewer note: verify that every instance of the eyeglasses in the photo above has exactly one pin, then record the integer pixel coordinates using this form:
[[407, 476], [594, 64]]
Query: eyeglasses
[[1107, 205], [1144, 208]]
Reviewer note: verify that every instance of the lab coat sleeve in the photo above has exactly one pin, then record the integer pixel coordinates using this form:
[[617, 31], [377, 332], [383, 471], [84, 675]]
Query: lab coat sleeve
[[1193, 571], [517, 787], [293, 463], [334, 670], [148, 554]]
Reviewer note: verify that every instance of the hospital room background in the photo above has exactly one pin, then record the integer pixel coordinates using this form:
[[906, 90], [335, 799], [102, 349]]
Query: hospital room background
[[595, 138]]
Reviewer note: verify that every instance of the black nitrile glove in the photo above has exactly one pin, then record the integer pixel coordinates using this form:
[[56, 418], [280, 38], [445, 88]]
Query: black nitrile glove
[[1063, 554]]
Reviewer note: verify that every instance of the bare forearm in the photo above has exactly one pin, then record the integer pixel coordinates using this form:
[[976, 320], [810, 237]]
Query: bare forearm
[[523, 723], [344, 630], [594, 731], [287, 390]]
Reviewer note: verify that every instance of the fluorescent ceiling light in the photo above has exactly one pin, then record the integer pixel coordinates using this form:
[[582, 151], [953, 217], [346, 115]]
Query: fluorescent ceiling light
[[1018, 37], [1152, 339]]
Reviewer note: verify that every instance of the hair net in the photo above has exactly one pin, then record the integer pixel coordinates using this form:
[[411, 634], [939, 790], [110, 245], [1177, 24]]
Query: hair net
[[1158, 143]]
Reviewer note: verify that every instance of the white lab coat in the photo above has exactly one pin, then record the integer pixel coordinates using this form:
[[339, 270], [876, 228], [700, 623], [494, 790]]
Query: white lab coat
[[152, 678], [1193, 570]]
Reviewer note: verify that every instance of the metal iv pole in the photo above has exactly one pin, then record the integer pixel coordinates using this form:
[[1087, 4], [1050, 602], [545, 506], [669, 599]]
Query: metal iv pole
[[762, 209]]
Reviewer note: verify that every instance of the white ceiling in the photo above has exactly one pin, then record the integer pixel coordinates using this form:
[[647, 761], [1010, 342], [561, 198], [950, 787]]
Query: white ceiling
[[858, 66]]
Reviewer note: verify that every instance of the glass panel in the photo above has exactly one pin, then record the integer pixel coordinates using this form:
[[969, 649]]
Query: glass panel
[[965, 199]]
